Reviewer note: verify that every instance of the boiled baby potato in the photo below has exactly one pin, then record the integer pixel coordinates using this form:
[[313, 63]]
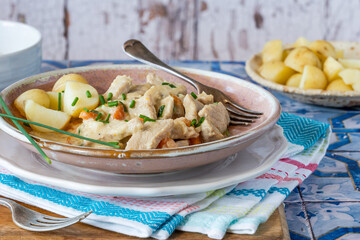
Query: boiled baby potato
[[59, 86], [323, 49], [350, 63], [356, 86], [37, 113], [272, 51], [332, 68], [37, 95], [301, 42], [294, 80], [276, 72], [77, 90], [286, 53], [301, 56], [339, 85], [350, 76], [339, 53], [313, 78], [54, 100]]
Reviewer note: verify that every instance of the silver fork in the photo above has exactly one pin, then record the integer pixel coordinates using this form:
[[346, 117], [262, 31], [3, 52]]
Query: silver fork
[[34, 221], [238, 114]]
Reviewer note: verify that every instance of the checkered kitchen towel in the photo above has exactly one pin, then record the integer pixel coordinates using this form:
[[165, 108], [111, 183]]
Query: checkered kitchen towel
[[238, 209]]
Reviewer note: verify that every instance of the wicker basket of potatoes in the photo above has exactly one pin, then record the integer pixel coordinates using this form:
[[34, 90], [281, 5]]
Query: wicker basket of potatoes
[[318, 72]]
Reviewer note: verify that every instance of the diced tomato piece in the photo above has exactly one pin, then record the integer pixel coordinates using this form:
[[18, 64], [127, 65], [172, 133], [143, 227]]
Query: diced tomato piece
[[87, 115], [119, 113], [194, 141], [186, 121]]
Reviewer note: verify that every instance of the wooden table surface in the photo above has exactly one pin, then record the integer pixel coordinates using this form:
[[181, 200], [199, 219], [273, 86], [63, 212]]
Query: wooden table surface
[[274, 228]]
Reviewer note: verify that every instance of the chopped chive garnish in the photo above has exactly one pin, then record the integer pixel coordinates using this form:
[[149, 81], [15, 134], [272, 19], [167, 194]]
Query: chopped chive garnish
[[132, 104], [226, 133], [200, 122], [88, 94], [161, 110], [125, 109], [86, 110], [113, 103], [56, 130], [193, 95], [75, 101], [26, 124], [94, 111], [126, 120], [59, 101], [102, 99], [216, 103], [146, 119], [63, 91], [193, 122], [107, 118], [79, 130], [124, 96], [98, 116], [169, 84], [110, 95]]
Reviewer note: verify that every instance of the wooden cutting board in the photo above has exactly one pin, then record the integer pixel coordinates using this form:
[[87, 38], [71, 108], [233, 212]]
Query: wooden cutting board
[[275, 228]]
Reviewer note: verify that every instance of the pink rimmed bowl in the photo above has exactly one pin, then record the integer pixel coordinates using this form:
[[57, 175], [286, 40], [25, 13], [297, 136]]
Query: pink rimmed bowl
[[155, 160]]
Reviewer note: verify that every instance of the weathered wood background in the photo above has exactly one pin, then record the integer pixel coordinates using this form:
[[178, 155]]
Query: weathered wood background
[[180, 29]]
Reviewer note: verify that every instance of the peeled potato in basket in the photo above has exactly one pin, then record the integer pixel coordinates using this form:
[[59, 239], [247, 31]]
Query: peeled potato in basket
[[309, 65]]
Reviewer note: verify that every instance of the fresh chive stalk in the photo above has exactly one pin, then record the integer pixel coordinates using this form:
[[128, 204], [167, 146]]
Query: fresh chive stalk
[[107, 118], [115, 143], [26, 124], [57, 130], [124, 106], [109, 96], [193, 122], [88, 94], [75, 101], [161, 110], [132, 104], [193, 95], [113, 104], [98, 116], [147, 119], [123, 96], [17, 124], [86, 110], [201, 120], [59, 101], [102, 99]]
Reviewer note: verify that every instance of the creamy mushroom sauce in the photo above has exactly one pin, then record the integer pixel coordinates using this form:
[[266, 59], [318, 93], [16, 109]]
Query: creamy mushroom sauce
[[156, 114]]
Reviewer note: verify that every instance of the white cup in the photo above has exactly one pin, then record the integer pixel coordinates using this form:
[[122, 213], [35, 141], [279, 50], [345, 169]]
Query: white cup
[[20, 52]]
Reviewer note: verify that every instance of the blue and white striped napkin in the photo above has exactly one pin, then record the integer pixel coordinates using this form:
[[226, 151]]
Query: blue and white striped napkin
[[239, 208]]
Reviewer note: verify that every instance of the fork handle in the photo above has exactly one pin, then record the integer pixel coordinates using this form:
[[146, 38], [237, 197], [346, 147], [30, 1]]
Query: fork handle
[[7, 202], [135, 49]]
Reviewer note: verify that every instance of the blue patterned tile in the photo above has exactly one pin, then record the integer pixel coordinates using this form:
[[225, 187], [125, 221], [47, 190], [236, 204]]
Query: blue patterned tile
[[336, 179], [48, 65], [297, 223], [294, 196], [334, 220]]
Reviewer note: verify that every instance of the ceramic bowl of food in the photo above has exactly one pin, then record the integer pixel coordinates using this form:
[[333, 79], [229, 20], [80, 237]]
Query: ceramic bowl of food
[[20, 52], [149, 160], [350, 51]]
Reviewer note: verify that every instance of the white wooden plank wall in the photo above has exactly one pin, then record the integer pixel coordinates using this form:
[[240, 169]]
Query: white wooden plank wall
[[180, 29]]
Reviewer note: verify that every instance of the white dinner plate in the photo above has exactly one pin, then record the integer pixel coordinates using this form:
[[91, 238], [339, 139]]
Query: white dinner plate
[[244, 165]]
